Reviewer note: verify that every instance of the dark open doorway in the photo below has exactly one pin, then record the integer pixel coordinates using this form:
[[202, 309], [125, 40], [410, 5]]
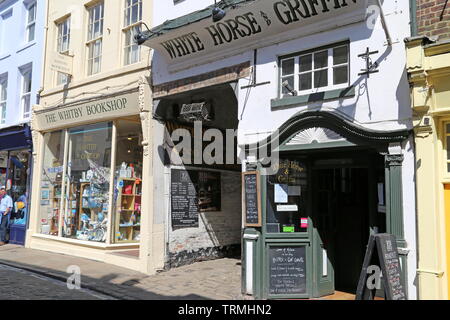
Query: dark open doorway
[[341, 203], [344, 211]]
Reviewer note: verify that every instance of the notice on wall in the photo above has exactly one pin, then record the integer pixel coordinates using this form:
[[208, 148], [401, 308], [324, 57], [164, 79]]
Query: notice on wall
[[287, 270], [281, 193], [252, 199], [193, 192]]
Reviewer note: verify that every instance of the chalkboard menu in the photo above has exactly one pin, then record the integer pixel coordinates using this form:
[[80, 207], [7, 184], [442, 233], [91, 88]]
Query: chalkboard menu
[[287, 270], [381, 255], [193, 192], [252, 199]]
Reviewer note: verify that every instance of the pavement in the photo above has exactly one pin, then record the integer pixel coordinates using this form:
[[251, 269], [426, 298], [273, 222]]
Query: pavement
[[38, 274]]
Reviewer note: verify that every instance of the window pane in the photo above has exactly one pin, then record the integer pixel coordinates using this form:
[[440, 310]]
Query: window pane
[[448, 148], [31, 30], [448, 128], [292, 175], [340, 75], [305, 81], [26, 106], [306, 63], [31, 13], [290, 82], [51, 185], [3, 112], [62, 78], [87, 198], [340, 55], [321, 79], [128, 186], [4, 90], [287, 67], [321, 59]]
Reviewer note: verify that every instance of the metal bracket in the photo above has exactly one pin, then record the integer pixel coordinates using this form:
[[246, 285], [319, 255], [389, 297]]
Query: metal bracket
[[371, 67]]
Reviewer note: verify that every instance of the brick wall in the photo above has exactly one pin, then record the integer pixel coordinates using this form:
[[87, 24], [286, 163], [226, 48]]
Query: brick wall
[[218, 234], [433, 19]]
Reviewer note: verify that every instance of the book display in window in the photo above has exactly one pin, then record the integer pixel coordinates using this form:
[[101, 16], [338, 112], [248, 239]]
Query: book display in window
[[128, 215]]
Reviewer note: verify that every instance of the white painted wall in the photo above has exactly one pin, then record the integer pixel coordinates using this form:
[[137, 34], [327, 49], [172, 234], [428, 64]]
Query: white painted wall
[[382, 102]]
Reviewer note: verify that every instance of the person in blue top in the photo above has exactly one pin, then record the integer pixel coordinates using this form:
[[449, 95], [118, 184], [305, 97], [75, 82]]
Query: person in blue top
[[6, 205]]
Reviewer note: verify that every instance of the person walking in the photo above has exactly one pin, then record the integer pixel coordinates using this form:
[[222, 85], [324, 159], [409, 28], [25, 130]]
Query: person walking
[[6, 205]]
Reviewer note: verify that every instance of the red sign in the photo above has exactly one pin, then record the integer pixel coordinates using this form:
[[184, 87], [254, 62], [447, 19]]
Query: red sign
[[304, 223]]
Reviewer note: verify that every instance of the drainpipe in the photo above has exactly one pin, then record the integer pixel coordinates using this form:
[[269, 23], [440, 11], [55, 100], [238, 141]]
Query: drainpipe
[[44, 57], [383, 22]]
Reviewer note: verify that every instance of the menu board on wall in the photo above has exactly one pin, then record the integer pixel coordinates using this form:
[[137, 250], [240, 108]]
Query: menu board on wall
[[252, 199], [193, 192], [287, 270]]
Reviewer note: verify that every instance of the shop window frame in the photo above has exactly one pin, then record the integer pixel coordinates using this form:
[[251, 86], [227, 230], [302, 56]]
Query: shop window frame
[[330, 70], [110, 242], [306, 234], [63, 204]]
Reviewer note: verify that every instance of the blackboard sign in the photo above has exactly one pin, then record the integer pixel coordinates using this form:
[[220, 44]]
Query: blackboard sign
[[381, 256], [252, 199], [287, 270], [193, 192], [185, 212]]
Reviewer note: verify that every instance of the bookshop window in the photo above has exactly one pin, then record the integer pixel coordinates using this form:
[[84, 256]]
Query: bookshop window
[[128, 181], [287, 198], [87, 183], [51, 185]]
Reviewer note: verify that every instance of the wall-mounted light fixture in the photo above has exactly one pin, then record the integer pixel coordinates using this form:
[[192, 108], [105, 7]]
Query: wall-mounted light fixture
[[217, 13], [141, 37]]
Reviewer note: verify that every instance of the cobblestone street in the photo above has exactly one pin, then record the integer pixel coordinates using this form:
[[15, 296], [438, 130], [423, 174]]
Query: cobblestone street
[[34, 274], [17, 284]]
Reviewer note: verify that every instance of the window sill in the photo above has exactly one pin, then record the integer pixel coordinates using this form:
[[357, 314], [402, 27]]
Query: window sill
[[295, 101], [90, 244], [26, 46], [5, 56]]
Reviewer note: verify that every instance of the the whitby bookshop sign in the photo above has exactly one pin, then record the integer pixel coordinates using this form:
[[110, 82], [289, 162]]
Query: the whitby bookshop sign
[[248, 25], [106, 108]]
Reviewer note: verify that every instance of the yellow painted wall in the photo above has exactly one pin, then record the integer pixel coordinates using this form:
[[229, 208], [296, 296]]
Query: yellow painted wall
[[429, 75], [447, 223], [115, 76]]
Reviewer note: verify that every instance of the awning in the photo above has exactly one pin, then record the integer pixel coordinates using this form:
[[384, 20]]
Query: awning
[[248, 24], [17, 137]]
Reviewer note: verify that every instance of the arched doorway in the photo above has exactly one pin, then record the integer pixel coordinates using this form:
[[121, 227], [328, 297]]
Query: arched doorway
[[335, 184]]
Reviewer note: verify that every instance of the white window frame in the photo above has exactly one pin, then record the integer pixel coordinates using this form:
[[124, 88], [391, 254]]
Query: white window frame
[[26, 95], [95, 39], [3, 97], [129, 26], [63, 47], [330, 67], [30, 24]]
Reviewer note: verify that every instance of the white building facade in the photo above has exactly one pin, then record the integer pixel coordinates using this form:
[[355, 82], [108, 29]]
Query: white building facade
[[323, 83]]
